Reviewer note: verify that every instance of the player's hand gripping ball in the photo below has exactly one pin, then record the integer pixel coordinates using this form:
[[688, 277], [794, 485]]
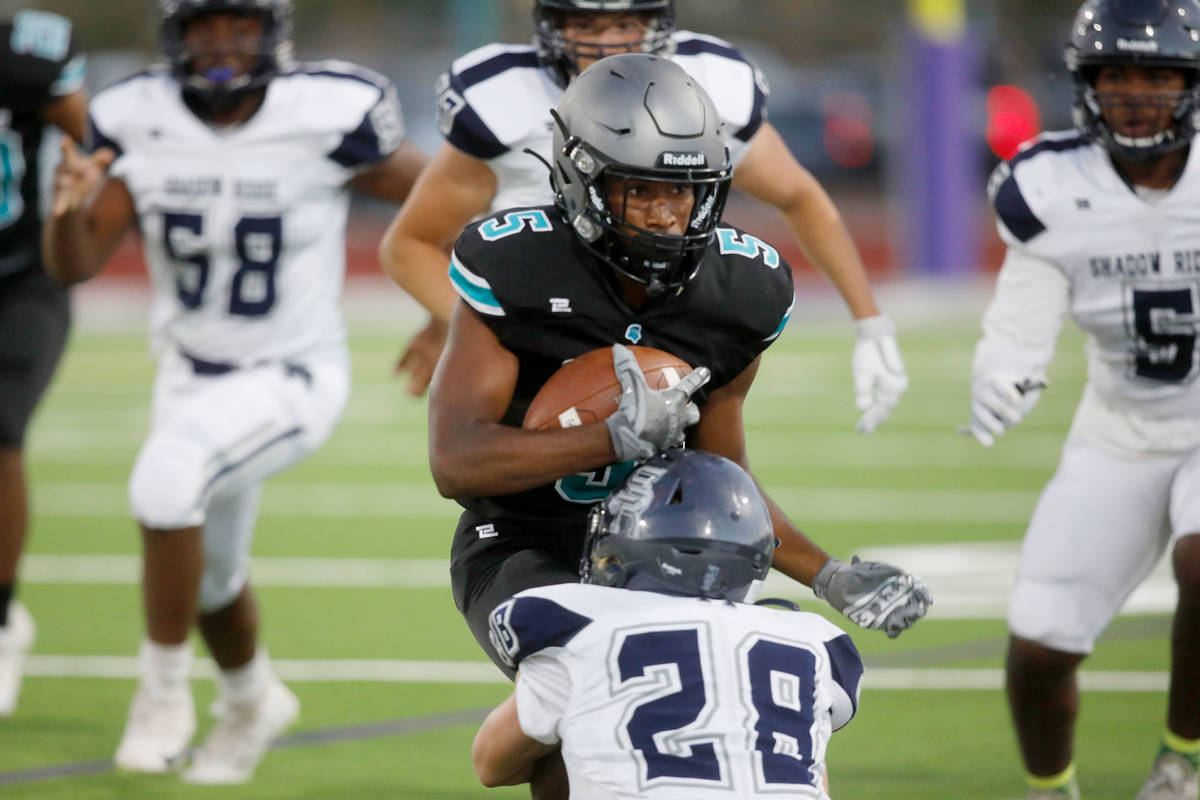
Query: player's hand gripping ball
[[586, 389]]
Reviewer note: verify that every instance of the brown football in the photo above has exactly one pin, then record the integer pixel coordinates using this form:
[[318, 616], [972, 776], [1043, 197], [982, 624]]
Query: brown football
[[586, 389]]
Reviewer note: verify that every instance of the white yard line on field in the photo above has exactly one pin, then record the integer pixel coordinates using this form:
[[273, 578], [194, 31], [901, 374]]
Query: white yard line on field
[[460, 672], [408, 573], [403, 500], [969, 580]]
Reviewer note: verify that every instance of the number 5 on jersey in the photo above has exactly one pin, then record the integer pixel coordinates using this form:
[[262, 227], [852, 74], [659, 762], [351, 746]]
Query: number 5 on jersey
[[258, 242], [747, 245]]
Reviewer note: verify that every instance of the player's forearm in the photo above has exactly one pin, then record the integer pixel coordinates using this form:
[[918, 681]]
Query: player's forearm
[[797, 556], [1023, 321], [69, 251], [420, 269], [827, 244], [491, 459], [501, 753]]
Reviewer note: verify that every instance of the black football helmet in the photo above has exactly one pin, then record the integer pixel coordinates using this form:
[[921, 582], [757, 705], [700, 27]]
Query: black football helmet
[[562, 54], [686, 522], [1150, 33], [640, 117], [219, 88]]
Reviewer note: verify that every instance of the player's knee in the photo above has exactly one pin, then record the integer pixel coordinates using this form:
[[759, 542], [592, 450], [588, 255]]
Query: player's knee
[[219, 586], [166, 488], [1058, 617], [1187, 568], [1027, 659], [13, 424]]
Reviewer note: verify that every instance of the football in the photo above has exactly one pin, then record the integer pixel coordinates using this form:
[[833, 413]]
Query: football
[[586, 389]]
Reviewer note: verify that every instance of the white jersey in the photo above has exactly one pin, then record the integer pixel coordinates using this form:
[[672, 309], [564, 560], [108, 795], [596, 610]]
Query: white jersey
[[1124, 265], [655, 696], [495, 103], [243, 228]]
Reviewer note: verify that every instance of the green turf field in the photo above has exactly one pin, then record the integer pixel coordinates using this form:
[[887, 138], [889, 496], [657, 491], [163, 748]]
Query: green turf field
[[350, 565]]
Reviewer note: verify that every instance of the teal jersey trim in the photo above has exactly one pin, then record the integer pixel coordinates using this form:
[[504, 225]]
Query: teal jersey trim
[[474, 289]]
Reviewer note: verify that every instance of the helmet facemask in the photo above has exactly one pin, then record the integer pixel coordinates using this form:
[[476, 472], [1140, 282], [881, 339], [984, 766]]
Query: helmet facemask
[[664, 262], [1088, 116], [628, 120], [1153, 34], [555, 49], [222, 87]]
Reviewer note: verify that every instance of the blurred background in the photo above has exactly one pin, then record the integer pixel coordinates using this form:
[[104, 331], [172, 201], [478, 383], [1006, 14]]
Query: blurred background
[[900, 107]]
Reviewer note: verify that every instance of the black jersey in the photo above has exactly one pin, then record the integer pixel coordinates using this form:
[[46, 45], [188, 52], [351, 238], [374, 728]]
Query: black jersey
[[548, 300], [38, 65]]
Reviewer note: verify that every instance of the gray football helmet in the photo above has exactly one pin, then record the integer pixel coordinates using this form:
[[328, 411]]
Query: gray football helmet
[[639, 117], [218, 87], [1150, 33], [562, 54], [686, 522]]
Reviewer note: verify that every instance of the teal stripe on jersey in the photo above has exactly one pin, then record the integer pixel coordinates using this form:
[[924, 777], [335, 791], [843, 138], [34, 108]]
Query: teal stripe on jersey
[[782, 323], [474, 289], [70, 80]]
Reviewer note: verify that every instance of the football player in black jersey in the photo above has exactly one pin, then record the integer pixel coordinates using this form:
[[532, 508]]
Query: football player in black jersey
[[42, 79], [633, 252], [492, 106]]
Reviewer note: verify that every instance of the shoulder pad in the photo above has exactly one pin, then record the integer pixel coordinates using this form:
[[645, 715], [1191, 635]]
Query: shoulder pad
[[1035, 165], [736, 85], [470, 123], [688, 43], [767, 292], [117, 111], [522, 626], [1012, 210], [344, 70], [501, 259]]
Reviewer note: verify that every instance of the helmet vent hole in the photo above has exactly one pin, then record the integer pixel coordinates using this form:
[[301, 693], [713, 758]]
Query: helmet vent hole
[[677, 496]]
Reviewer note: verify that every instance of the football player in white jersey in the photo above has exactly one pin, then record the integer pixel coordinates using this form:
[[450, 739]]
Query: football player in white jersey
[[233, 161], [661, 680], [494, 105], [1101, 224]]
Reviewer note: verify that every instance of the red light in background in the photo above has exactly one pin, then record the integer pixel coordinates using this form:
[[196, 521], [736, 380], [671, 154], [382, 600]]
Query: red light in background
[[848, 138], [1012, 119]]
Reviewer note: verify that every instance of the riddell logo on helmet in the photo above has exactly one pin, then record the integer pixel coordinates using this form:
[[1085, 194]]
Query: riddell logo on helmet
[[682, 160], [1138, 45]]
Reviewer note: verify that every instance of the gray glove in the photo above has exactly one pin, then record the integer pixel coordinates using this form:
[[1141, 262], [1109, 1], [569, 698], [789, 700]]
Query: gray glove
[[873, 594], [647, 420]]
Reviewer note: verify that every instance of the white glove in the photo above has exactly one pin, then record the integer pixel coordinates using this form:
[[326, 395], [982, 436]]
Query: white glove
[[999, 400], [647, 420], [879, 376], [873, 594]]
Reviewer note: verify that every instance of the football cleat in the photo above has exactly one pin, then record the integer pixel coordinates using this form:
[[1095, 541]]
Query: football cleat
[[159, 729], [1171, 778], [242, 736], [1068, 792], [16, 638]]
